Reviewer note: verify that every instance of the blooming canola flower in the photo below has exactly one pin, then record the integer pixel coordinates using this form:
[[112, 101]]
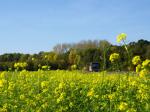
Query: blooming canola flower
[[121, 37]]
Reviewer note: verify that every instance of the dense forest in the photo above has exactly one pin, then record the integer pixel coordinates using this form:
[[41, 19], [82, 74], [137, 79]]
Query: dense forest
[[80, 54]]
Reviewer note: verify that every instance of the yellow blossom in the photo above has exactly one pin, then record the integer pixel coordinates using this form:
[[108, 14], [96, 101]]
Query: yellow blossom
[[114, 57], [1, 83], [146, 64], [61, 85], [123, 106], [111, 96], [143, 73], [90, 93], [44, 84], [61, 98], [3, 74], [138, 68], [136, 60], [121, 37]]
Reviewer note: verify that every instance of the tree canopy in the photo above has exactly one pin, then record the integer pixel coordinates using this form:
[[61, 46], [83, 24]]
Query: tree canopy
[[80, 54]]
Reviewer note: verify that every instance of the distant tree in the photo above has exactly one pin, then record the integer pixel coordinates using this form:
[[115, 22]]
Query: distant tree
[[81, 54], [73, 57], [61, 48], [147, 53], [104, 46], [50, 56]]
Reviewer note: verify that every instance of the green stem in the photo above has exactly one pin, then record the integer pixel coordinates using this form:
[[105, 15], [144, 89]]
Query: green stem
[[126, 48]]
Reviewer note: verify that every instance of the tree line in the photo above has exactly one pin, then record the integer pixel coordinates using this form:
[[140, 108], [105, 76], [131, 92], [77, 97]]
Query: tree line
[[78, 55]]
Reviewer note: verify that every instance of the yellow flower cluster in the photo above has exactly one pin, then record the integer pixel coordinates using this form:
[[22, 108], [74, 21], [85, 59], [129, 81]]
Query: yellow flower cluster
[[143, 73], [114, 57], [21, 65], [90, 93], [61, 97], [136, 60], [146, 64], [45, 67], [1, 83], [138, 68], [143, 68], [73, 67], [44, 84], [123, 106], [121, 37]]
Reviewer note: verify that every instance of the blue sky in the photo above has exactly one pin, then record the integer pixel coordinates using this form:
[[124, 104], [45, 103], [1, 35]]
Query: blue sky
[[30, 26]]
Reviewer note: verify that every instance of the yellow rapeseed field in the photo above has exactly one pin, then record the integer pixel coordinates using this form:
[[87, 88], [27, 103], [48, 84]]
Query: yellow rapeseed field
[[73, 91]]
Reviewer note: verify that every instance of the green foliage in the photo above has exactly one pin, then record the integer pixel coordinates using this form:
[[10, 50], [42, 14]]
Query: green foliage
[[73, 57], [81, 54]]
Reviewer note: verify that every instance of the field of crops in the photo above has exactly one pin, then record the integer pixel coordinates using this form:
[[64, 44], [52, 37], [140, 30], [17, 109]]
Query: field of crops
[[73, 91]]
